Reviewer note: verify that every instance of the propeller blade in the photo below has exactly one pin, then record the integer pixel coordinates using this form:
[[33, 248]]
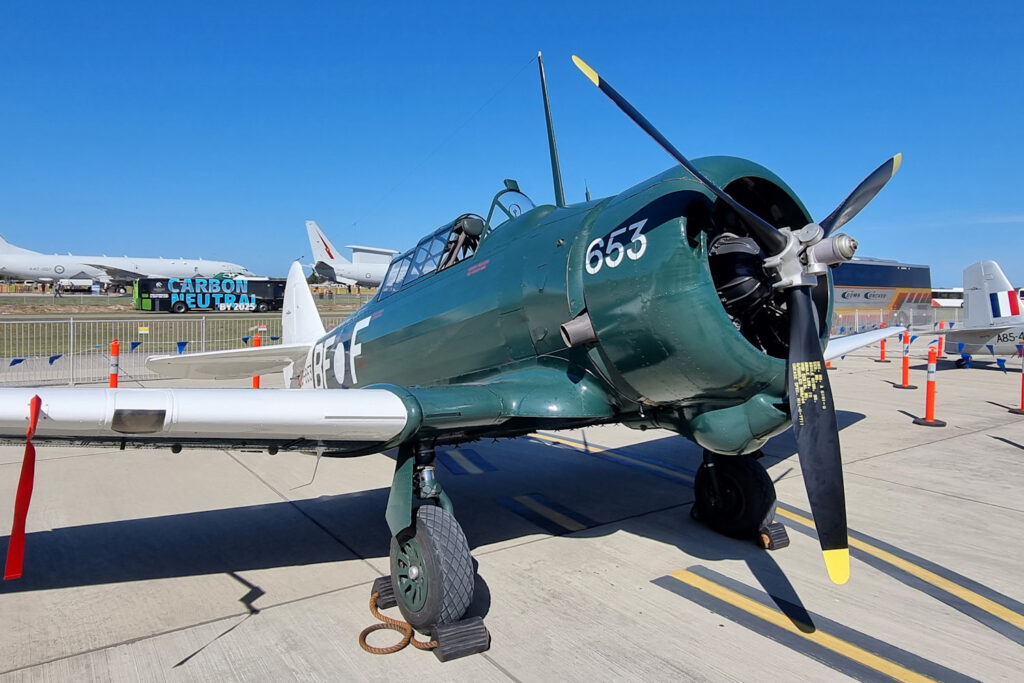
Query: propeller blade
[[864, 193], [761, 230], [817, 434]]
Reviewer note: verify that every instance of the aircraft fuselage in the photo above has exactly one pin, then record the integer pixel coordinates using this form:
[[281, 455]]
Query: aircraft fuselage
[[636, 263]]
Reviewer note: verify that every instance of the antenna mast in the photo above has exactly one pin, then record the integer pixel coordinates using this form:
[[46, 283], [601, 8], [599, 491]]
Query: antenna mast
[[556, 172]]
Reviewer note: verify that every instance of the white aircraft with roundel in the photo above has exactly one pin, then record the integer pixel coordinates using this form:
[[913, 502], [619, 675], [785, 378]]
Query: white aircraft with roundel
[[17, 263], [993, 315]]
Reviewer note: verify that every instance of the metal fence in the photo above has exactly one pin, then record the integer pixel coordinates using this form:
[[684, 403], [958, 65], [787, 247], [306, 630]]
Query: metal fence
[[76, 350], [921, 320]]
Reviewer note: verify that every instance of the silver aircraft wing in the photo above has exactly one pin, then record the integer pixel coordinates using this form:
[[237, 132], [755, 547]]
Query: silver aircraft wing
[[353, 420], [115, 273], [840, 346]]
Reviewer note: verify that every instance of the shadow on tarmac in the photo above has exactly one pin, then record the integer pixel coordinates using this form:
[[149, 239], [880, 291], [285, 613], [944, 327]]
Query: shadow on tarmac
[[351, 526]]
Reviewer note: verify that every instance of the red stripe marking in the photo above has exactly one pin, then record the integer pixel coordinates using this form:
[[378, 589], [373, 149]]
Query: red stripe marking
[[16, 544], [1014, 302], [327, 248]]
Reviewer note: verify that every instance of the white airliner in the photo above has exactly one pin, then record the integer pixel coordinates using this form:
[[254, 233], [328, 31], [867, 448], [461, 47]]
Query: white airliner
[[23, 264], [993, 315], [366, 269]]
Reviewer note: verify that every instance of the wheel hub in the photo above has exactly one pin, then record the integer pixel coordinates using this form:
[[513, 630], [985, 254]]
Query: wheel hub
[[411, 575]]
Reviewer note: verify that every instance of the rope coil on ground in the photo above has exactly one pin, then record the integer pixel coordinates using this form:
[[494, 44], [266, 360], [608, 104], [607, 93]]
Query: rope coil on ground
[[393, 625]]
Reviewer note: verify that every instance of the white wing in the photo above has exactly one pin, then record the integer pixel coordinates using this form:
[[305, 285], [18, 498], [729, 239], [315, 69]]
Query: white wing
[[353, 420], [840, 346]]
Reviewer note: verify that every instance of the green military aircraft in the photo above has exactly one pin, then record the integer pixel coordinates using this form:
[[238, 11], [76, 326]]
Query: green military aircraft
[[697, 301]]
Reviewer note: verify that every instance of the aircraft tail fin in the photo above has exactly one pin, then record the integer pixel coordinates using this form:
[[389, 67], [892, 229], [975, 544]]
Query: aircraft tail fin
[[989, 297], [8, 248], [322, 248], [300, 321]]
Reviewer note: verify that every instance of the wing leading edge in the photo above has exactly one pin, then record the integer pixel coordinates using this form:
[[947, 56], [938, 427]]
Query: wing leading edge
[[362, 420], [840, 346]]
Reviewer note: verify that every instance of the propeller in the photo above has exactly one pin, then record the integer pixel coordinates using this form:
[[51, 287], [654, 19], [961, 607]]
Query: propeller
[[763, 232], [863, 194], [810, 396]]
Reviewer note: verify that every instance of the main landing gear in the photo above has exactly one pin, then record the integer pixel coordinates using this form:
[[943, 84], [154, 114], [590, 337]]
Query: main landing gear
[[735, 497], [432, 571]]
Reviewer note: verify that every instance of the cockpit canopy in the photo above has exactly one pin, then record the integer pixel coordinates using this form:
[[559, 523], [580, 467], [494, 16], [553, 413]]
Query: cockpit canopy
[[454, 242]]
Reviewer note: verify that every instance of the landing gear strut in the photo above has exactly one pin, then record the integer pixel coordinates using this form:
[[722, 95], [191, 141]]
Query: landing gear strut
[[432, 573], [735, 497]]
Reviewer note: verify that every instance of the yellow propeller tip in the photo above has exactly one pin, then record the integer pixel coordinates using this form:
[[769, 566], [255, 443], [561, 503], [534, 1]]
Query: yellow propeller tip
[[837, 562], [587, 71], [896, 161]]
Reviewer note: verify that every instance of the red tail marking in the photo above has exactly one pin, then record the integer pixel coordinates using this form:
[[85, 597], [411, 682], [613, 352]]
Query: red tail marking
[[324, 242], [16, 545]]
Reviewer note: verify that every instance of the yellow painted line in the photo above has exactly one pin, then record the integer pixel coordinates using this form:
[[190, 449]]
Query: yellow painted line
[[609, 453], [965, 594], [554, 515], [776, 618], [464, 462]]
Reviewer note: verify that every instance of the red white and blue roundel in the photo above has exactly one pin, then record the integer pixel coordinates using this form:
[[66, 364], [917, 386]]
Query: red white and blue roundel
[[1004, 303]]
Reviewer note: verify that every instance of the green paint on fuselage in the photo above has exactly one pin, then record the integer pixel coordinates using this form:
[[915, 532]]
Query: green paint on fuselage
[[664, 340]]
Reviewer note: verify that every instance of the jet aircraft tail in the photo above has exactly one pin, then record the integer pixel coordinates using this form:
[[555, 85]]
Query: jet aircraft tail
[[8, 248], [323, 250], [989, 298]]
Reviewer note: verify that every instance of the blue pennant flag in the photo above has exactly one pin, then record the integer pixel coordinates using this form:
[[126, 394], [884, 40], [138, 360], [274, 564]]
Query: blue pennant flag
[[951, 325], [135, 345], [15, 361], [274, 338], [55, 357], [912, 338], [991, 349], [245, 340], [1020, 350], [933, 341], [960, 349], [181, 347], [1001, 362]]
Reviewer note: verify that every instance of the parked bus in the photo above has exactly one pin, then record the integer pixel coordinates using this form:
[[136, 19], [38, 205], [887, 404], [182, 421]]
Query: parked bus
[[181, 295]]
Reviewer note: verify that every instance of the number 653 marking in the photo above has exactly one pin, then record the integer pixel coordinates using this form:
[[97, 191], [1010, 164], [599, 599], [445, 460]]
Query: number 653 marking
[[612, 253]]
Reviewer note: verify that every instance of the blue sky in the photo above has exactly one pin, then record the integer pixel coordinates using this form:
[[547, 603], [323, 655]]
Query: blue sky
[[216, 129]]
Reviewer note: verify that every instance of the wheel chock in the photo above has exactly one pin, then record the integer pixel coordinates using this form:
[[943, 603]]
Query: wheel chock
[[461, 638], [773, 536], [385, 592]]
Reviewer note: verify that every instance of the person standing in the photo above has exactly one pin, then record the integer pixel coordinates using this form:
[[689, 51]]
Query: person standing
[[56, 291]]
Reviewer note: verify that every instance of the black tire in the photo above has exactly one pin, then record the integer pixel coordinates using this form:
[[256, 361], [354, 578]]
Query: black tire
[[746, 496], [961, 363], [263, 307], [179, 307], [442, 589]]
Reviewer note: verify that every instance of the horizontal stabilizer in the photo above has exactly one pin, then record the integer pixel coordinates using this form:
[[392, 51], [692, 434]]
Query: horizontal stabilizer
[[840, 346], [230, 364]]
